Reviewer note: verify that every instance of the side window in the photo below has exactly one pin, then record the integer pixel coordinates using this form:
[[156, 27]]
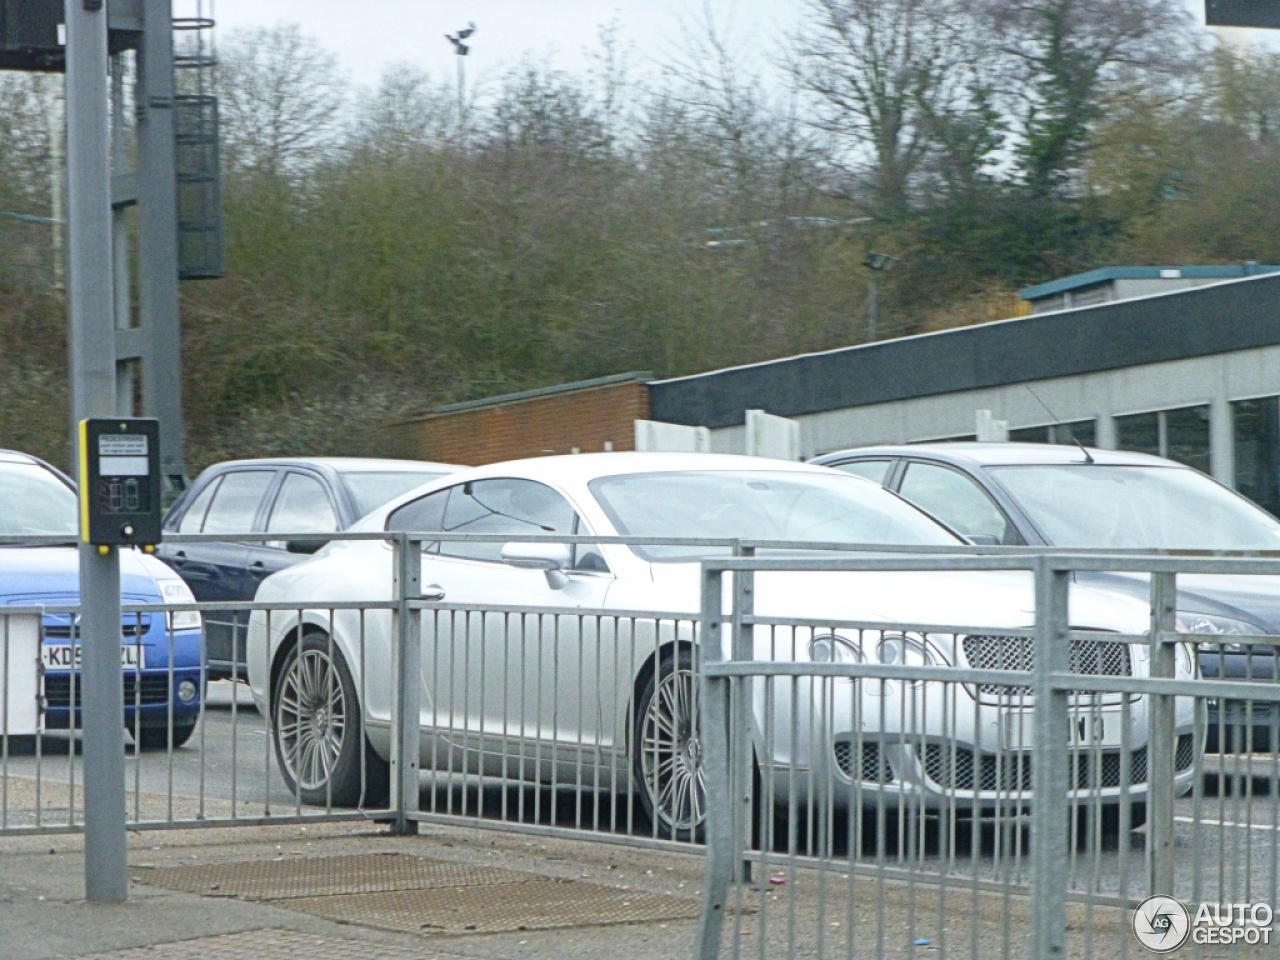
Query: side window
[[877, 470], [507, 507], [193, 516], [236, 501], [424, 515], [955, 500], [302, 506]]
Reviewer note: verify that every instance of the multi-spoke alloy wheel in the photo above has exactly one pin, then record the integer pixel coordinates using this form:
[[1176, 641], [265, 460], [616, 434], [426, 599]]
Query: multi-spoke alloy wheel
[[317, 732], [667, 752]]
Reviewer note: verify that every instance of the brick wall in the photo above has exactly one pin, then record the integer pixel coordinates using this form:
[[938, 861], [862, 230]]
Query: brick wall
[[589, 420]]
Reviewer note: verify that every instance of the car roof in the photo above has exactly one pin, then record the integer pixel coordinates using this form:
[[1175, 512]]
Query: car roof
[[17, 456], [345, 464], [576, 470], [581, 467], [14, 456], [975, 454]]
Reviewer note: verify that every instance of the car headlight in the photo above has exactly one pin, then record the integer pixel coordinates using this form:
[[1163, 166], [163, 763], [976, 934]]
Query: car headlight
[[1217, 626], [829, 648], [897, 649], [176, 591]]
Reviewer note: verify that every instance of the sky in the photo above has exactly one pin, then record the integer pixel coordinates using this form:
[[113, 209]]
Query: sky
[[368, 35]]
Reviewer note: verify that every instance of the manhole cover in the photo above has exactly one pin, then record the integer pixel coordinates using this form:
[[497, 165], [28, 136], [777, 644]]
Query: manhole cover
[[540, 904], [321, 876], [268, 945]]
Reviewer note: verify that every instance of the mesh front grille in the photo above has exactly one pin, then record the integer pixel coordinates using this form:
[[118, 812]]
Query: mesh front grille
[[1010, 772], [874, 767], [1184, 753], [154, 690], [1089, 657]]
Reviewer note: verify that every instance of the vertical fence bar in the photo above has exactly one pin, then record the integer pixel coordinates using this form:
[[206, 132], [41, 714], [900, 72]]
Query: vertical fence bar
[[1160, 784], [740, 748], [406, 656], [1049, 776], [721, 857]]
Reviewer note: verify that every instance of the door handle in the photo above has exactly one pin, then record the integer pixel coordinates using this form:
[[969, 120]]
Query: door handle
[[432, 591], [179, 558], [258, 568]]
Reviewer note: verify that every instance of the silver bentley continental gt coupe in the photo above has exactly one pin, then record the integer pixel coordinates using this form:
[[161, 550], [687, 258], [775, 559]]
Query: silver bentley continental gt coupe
[[573, 662]]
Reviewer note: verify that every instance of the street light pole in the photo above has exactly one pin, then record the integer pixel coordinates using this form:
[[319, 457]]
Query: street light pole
[[462, 49], [873, 306], [875, 262]]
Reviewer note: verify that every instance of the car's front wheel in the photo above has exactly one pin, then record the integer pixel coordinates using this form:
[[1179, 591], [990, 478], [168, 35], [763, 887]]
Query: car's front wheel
[[319, 740], [666, 751]]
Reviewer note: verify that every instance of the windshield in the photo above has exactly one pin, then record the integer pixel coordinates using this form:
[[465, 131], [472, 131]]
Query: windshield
[[759, 505], [372, 489], [1132, 507], [35, 503]]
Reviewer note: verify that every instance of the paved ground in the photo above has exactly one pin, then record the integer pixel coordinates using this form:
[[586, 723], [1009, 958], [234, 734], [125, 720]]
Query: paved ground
[[349, 890], [336, 891], [341, 891]]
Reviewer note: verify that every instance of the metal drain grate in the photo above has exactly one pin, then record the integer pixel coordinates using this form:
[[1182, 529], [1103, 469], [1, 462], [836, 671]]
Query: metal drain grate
[[321, 876], [539, 904], [268, 945]]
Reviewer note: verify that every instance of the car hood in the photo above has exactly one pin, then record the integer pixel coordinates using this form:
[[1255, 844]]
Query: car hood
[[33, 574], [1255, 600], [973, 598]]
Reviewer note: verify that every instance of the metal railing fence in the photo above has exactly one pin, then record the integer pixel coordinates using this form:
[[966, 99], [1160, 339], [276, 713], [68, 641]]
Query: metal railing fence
[[1007, 786], [943, 808]]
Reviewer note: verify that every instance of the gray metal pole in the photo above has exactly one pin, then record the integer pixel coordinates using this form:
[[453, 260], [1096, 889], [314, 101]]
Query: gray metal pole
[[1050, 776], [406, 667], [873, 306], [1160, 746], [714, 736], [462, 95], [91, 308], [120, 236], [158, 240]]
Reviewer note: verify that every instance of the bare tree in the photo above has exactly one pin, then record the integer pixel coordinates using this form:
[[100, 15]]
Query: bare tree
[[1244, 88], [1061, 58], [281, 98], [883, 71], [408, 109], [25, 137]]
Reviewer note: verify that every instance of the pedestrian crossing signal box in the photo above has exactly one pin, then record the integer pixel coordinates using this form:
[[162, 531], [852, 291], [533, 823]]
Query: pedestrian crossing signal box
[[120, 482]]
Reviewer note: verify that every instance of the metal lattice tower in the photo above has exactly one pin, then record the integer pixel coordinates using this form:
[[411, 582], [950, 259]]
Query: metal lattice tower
[[166, 206]]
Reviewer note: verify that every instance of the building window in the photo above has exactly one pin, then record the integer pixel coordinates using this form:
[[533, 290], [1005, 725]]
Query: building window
[[1256, 440], [1181, 435], [1078, 431]]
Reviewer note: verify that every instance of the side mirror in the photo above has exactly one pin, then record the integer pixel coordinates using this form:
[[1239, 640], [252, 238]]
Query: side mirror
[[983, 539], [304, 546], [551, 558]]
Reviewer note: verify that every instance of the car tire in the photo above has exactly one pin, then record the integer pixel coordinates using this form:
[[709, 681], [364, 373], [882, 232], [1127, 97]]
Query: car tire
[[157, 738], [316, 728], [665, 755]]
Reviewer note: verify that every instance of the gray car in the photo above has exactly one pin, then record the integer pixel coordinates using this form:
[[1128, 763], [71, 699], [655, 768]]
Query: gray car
[[289, 495], [1069, 496]]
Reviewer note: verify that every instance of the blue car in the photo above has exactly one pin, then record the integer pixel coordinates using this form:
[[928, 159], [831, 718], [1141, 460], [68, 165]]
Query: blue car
[[161, 653]]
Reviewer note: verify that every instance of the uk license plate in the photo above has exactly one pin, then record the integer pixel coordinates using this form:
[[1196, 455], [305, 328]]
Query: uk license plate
[[1087, 728], [68, 657]]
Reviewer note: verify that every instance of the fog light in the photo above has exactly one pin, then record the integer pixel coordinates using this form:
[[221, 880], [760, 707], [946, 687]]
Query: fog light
[[187, 691]]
